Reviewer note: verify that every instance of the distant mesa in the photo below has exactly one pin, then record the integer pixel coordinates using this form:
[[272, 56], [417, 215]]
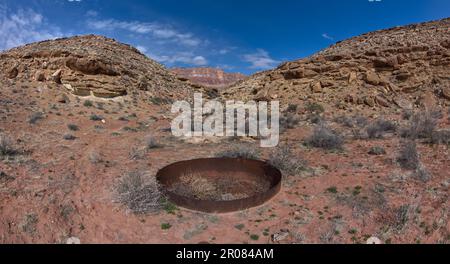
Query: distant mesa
[[208, 77]]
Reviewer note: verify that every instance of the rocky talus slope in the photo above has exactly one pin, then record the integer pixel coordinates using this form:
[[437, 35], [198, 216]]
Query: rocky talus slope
[[90, 66], [209, 77], [402, 67]]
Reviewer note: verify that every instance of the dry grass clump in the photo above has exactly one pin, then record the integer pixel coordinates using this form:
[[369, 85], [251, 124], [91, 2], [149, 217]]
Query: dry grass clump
[[325, 138], [289, 121], [283, 159], [225, 188], [421, 125], [35, 117], [408, 157], [7, 147], [139, 192], [379, 128], [241, 152]]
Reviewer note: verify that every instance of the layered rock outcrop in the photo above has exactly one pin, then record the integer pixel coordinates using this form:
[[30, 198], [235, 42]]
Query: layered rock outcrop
[[91, 66], [387, 68]]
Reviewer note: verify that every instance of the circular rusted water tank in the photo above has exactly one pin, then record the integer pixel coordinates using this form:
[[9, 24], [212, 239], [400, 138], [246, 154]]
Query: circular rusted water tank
[[243, 171]]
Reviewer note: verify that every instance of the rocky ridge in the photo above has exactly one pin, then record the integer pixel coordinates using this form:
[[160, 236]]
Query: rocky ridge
[[91, 66], [402, 67]]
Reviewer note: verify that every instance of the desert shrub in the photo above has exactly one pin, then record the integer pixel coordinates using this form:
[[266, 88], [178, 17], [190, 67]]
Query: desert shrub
[[315, 118], [88, 103], [292, 108], [436, 114], [440, 137], [95, 117], [289, 121], [130, 129], [401, 216], [95, 157], [360, 121], [151, 143], [377, 151], [345, 121], [325, 138], [7, 147], [314, 107], [69, 137], [283, 159], [139, 192], [28, 224], [407, 114], [73, 127], [137, 153], [378, 128], [239, 152], [100, 106], [35, 117], [351, 122], [422, 173], [408, 157], [124, 118], [421, 125]]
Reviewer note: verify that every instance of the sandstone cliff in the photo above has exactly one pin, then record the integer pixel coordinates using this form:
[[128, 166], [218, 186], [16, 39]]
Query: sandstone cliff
[[402, 67]]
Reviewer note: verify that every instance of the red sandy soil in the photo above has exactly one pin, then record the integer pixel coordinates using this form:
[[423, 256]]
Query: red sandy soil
[[61, 189]]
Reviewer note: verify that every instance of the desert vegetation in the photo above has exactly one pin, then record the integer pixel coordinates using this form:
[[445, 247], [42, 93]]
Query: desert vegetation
[[139, 192], [284, 159], [325, 138], [242, 152]]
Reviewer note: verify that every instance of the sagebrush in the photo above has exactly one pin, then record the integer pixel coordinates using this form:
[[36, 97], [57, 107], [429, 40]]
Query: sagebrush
[[140, 192]]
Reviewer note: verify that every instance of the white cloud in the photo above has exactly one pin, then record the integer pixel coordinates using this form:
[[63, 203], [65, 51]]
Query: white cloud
[[326, 36], [181, 57], [23, 27], [199, 61], [224, 51], [142, 49], [260, 60], [156, 30], [74, 0], [91, 13]]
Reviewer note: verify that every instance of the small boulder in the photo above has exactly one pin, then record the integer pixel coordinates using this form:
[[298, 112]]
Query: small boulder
[[63, 99], [386, 63], [39, 76], [374, 241], [403, 76], [446, 93], [56, 76], [13, 72], [352, 77], [446, 43], [382, 101], [369, 101], [372, 78], [293, 74], [73, 241], [316, 87], [428, 100], [403, 103], [280, 236]]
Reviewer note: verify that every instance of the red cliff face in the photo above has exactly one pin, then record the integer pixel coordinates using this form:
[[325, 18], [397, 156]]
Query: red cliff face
[[210, 77]]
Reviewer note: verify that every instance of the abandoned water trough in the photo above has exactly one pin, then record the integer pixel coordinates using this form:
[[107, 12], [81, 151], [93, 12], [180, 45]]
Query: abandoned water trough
[[219, 185]]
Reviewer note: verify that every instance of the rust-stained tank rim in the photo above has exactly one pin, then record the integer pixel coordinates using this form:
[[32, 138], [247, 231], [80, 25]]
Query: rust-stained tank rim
[[169, 174]]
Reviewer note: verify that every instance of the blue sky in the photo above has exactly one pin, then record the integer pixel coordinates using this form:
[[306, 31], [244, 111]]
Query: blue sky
[[236, 35]]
